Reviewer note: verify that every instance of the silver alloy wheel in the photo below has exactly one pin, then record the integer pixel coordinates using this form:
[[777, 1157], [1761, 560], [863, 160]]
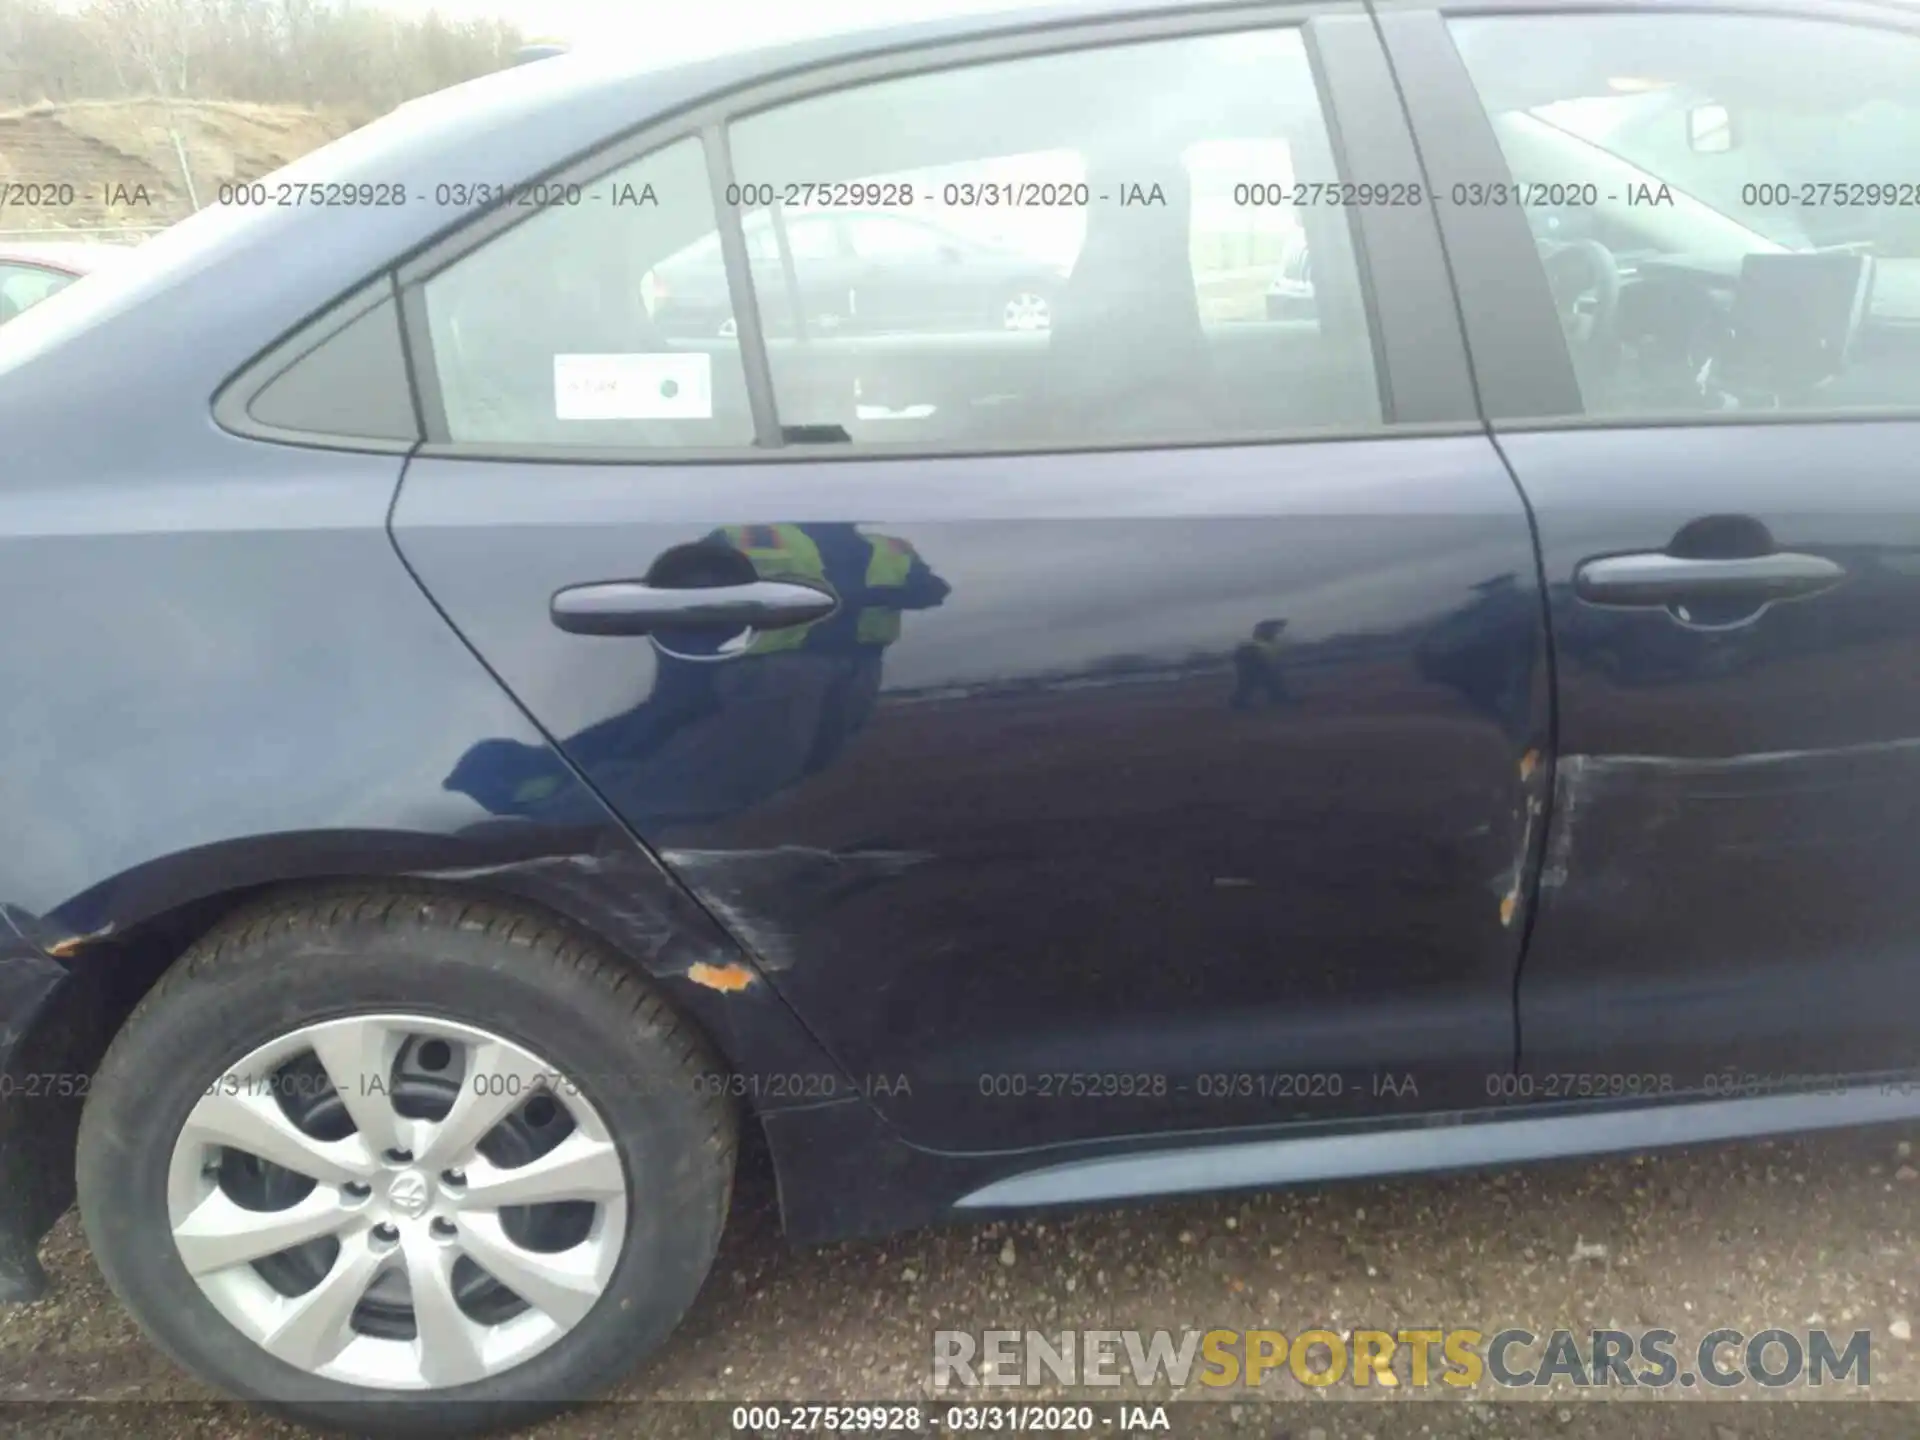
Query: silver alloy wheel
[[1027, 311], [416, 1213]]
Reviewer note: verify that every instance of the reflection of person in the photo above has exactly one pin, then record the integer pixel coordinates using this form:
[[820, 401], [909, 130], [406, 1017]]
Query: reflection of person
[[875, 576], [1256, 667], [715, 734]]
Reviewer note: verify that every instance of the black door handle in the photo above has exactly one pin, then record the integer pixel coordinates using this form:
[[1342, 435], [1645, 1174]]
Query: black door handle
[[631, 607], [1655, 578]]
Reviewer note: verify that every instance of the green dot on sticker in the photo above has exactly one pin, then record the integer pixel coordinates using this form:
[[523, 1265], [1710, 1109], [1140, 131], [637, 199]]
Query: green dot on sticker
[[669, 388]]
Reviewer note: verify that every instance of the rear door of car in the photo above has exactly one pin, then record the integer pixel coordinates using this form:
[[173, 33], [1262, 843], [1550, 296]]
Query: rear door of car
[[1127, 727], [1721, 463]]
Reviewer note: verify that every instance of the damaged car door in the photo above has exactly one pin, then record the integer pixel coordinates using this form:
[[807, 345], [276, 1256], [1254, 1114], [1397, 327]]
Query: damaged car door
[[1716, 431], [1132, 725]]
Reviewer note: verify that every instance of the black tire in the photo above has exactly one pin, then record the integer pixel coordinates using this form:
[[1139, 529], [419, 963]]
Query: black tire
[[280, 966]]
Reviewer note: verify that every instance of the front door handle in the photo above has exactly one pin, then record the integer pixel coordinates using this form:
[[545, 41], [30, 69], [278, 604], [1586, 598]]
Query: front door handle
[[631, 607], [1655, 578]]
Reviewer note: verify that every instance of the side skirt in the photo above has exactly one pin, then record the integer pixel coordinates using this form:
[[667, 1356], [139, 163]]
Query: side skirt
[[844, 1173]]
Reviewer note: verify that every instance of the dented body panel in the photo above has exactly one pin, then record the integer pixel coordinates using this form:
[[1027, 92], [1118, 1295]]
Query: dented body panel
[[1186, 804], [1731, 884], [1045, 835], [246, 690]]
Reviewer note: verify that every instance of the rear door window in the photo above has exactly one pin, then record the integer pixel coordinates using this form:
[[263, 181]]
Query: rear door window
[[1064, 250]]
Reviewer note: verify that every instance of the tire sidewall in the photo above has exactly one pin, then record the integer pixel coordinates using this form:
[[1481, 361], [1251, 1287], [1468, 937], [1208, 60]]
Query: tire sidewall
[[164, 1061]]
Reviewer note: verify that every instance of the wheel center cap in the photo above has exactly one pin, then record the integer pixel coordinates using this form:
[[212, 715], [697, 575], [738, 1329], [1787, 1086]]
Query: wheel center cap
[[410, 1194]]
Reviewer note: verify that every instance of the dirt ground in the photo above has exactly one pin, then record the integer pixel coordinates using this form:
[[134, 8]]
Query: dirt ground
[[1804, 1233], [106, 165]]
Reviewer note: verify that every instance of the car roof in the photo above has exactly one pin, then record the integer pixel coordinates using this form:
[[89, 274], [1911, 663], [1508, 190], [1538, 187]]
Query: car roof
[[77, 257]]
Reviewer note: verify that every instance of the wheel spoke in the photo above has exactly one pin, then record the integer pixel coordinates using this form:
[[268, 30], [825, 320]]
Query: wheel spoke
[[578, 1168], [446, 1343], [254, 1122], [499, 1078], [563, 1286], [358, 1057], [428, 1215], [219, 1234], [316, 1327]]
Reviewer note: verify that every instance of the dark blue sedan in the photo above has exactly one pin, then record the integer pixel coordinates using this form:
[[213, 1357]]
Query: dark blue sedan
[[476, 746]]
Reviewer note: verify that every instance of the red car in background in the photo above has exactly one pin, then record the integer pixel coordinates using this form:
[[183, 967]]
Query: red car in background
[[31, 271]]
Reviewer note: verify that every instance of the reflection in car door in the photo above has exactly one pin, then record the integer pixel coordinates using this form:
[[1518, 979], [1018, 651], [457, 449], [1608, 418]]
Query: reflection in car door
[[1722, 476], [1165, 752]]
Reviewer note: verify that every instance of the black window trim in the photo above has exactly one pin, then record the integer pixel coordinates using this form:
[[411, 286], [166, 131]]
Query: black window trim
[[1420, 358], [1521, 363]]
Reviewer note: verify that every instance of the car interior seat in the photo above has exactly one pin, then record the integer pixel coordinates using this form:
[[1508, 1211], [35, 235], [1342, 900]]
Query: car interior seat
[[1128, 354]]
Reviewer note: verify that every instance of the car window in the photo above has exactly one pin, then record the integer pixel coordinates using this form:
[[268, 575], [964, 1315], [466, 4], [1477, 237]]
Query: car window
[[810, 237], [1065, 249], [1736, 211], [546, 334], [881, 237], [22, 286]]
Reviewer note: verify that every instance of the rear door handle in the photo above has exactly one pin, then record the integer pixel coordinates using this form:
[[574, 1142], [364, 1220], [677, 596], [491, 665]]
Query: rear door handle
[[1655, 578], [631, 607]]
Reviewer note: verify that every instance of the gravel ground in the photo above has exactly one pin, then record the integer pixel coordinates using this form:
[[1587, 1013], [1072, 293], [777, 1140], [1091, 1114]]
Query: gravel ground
[[1799, 1234]]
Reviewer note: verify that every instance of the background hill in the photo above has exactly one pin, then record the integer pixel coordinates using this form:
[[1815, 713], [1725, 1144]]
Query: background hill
[[110, 150], [182, 96]]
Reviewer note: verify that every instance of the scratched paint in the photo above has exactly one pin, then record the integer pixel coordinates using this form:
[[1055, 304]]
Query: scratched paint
[[758, 894], [1755, 908], [73, 944], [729, 979], [1656, 792], [1512, 884]]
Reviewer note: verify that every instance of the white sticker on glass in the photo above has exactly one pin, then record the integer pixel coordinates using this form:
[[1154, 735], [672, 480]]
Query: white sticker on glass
[[633, 387]]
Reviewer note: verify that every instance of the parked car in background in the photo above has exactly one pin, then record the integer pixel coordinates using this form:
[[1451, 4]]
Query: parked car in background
[[484, 727], [859, 271], [1290, 297], [30, 271]]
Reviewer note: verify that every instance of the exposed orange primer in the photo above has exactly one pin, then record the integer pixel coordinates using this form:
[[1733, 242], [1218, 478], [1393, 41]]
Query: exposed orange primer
[[62, 949], [726, 978]]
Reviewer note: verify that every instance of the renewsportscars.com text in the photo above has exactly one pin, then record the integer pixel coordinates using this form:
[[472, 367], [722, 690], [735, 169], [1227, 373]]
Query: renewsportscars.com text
[[1463, 1358]]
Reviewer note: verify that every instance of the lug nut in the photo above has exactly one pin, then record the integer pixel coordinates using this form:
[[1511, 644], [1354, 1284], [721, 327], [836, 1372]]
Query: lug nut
[[398, 1156], [386, 1234]]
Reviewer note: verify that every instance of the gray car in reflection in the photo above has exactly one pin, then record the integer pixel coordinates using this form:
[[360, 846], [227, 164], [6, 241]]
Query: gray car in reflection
[[862, 271]]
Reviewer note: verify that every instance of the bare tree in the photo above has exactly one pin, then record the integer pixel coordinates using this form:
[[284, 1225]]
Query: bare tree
[[149, 42], [310, 52]]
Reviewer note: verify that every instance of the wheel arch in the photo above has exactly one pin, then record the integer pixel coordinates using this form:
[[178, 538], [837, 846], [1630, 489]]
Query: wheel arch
[[119, 937]]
